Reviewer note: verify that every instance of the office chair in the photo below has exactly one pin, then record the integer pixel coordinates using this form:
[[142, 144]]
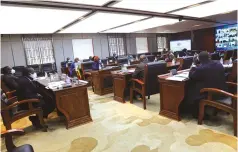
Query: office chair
[[122, 61], [36, 67], [214, 56], [150, 58], [229, 104], [185, 63], [48, 68], [149, 85], [9, 141], [18, 70]]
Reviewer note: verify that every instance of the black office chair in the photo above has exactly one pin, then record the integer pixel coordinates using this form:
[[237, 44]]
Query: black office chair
[[36, 67], [86, 60], [48, 68], [122, 61], [214, 56], [150, 58], [186, 63], [18, 70], [9, 142], [104, 61]]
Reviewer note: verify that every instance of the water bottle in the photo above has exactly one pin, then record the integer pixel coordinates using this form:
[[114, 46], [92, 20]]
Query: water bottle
[[107, 62], [67, 80], [46, 75], [129, 63], [178, 56], [100, 67], [230, 61], [173, 61], [221, 60]]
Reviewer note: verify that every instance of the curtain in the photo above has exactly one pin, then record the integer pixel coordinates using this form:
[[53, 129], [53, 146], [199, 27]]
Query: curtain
[[38, 50], [162, 43], [116, 45]]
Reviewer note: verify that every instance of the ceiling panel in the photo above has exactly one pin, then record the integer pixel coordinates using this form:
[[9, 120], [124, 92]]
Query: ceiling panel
[[25, 20], [87, 2], [142, 25], [101, 21], [213, 8], [161, 6]]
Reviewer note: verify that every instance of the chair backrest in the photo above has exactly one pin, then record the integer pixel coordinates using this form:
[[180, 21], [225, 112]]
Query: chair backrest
[[86, 60], [104, 61], [229, 54], [156, 53], [86, 66], [36, 67], [63, 64], [152, 70], [186, 62], [215, 56], [47, 67], [233, 75], [18, 70], [122, 60], [150, 58]]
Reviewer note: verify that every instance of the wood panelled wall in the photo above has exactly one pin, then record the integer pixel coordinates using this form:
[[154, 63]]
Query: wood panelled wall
[[203, 39]]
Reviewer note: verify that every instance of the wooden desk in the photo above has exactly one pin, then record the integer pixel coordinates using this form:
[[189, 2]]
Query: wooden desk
[[102, 80], [121, 85], [72, 102], [171, 95]]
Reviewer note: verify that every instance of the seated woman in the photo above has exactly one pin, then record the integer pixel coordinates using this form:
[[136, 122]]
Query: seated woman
[[27, 90], [169, 57]]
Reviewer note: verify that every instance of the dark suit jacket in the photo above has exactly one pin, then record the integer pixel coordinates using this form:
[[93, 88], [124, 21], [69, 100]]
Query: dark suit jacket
[[10, 81], [139, 71], [26, 89], [210, 75]]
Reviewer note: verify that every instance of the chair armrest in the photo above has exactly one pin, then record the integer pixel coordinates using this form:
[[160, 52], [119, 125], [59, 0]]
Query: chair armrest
[[12, 132], [12, 100], [20, 102], [138, 81], [218, 91], [232, 84], [10, 93]]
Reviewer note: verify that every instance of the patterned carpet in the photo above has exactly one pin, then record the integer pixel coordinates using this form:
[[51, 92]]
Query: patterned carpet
[[127, 127]]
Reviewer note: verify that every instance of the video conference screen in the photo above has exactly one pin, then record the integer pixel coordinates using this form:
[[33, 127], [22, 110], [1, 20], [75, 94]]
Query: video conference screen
[[226, 38], [180, 45]]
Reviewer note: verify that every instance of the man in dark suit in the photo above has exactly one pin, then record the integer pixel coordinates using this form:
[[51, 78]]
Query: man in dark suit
[[8, 78], [28, 90], [139, 71], [208, 74]]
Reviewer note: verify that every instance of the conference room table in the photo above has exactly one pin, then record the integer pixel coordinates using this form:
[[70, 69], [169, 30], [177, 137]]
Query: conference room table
[[71, 101], [121, 81]]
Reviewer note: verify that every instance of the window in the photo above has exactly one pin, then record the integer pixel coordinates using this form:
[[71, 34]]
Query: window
[[141, 45], [116, 45], [162, 43], [38, 50], [82, 48]]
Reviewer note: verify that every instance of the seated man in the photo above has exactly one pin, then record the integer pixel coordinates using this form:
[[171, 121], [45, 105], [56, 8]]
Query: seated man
[[27, 90], [8, 78], [75, 69], [208, 74], [139, 71], [96, 63]]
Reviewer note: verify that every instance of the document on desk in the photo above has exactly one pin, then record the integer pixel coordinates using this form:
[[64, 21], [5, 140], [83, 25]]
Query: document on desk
[[179, 77], [54, 85], [131, 70]]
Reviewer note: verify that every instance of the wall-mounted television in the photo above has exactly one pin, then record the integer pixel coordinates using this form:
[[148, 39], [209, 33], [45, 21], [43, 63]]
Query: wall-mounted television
[[226, 38], [179, 45]]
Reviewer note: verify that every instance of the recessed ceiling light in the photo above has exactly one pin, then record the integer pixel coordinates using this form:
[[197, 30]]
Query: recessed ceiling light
[[197, 25]]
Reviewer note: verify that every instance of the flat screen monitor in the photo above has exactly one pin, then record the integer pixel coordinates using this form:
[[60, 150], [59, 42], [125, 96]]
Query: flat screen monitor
[[226, 38], [179, 45]]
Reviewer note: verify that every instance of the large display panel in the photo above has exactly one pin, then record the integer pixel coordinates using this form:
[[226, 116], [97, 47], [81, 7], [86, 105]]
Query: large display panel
[[226, 38], [179, 45]]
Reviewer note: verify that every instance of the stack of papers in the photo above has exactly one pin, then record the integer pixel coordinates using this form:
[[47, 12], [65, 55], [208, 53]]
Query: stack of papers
[[131, 70], [179, 77], [82, 81], [54, 85], [227, 65]]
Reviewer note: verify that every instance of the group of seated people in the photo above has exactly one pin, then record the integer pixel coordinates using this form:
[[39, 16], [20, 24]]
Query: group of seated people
[[204, 73], [25, 89]]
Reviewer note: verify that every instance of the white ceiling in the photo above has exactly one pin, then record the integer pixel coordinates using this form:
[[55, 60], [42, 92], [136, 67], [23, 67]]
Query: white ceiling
[[25, 20]]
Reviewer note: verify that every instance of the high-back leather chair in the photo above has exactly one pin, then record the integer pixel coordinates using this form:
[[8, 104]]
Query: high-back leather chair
[[150, 58], [47, 67], [36, 67], [149, 85], [18, 70], [9, 141], [214, 56], [86, 60], [121, 61], [86, 66], [185, 63]]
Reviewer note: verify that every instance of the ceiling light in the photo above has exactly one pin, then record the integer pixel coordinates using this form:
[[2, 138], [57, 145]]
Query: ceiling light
[[156, 5], [101, 21], [87, 2], [25, 20], [208, 9], [142, 25]]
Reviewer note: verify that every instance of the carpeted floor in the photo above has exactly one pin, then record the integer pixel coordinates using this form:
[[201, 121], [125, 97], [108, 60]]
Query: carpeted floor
[[127, 127]]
